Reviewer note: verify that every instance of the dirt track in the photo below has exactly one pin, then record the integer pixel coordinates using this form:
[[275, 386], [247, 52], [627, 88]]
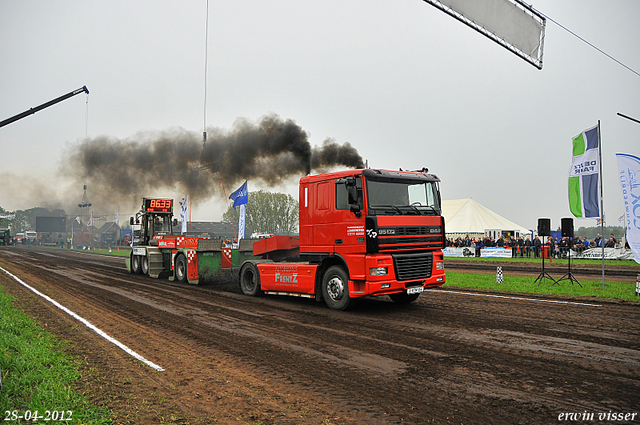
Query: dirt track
[[447, 358]]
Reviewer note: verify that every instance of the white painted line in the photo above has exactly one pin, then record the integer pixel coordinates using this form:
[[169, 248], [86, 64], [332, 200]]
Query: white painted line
[[88, 324], [514, 298]]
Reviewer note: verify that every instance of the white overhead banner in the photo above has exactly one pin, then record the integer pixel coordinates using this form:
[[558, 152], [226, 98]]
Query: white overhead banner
[[511, 23]]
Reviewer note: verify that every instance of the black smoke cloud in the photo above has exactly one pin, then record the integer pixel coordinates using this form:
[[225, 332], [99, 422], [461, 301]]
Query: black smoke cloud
[[271, 150]]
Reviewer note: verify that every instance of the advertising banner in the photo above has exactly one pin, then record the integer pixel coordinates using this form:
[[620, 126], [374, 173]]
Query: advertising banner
[[452, 251], [496, 253], [629, 174]]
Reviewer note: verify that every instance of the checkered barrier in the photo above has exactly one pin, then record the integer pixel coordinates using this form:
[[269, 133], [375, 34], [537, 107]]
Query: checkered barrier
[[191, 255], [226, 260]]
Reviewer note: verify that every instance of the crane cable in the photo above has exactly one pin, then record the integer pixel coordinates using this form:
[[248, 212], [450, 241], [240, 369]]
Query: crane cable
[[586, 42], [206, 62]]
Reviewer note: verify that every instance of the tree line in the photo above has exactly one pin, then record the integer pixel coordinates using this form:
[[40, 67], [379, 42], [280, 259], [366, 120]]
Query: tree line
[[267, 212], [26, 219]]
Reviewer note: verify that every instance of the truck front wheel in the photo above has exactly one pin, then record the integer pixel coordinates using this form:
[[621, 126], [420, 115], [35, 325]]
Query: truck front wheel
[[135, 264], [335, 288], [181, 268], [250, 280]]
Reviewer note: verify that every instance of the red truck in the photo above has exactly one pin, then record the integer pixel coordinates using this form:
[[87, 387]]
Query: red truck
[[362, 233]]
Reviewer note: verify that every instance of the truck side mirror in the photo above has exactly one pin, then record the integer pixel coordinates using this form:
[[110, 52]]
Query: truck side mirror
[[352, 191], [131, 221], [352, 194], [175, 221]]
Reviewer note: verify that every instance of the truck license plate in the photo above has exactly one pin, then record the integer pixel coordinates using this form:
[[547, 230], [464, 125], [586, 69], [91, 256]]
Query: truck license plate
[[415, 290]]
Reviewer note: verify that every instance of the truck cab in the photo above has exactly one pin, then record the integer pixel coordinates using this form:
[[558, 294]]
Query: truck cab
[[31, 237], [362, 233], [5, 237], [154, 221], [384, 226]]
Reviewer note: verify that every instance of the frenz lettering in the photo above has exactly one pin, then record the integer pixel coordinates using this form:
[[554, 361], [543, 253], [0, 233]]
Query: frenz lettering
[[287, 278]]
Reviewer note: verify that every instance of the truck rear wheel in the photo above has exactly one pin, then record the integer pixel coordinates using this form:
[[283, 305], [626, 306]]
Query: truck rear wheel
[[181, 268], [335, 288], [135, 264], [403, 298], [250, 280]]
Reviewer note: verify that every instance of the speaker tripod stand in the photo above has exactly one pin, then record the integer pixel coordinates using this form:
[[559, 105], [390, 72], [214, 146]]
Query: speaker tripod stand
[[544, 275], [569, 276]]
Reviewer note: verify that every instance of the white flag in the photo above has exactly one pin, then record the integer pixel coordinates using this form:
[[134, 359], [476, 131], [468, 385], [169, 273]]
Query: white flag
[[78, 219], [629, 174], [183, 214], [90, 223], [116, 217], [242, 221]]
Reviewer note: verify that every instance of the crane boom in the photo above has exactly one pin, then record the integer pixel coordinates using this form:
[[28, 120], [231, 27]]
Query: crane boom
[[44, 105]]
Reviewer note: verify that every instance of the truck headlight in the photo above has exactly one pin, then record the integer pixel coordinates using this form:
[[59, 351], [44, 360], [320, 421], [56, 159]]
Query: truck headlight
[[440, 265], [379, 271]]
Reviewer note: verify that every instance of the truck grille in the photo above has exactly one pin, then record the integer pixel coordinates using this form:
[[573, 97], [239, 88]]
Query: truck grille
[[409, 238], [413, 266]]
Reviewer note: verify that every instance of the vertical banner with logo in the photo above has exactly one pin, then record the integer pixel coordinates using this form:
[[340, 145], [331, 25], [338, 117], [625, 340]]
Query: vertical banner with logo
[[183, 214], [584, 175], [241, 197], [629, 174], [242, 221]]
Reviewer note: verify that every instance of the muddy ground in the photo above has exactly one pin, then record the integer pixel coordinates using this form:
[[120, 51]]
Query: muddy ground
[[450, 357]]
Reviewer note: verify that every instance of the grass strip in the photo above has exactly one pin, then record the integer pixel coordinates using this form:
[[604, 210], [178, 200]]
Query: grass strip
[[527, 285], [37, 375]]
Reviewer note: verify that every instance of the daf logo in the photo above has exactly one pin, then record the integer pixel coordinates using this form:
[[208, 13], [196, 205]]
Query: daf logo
[[434, 230]]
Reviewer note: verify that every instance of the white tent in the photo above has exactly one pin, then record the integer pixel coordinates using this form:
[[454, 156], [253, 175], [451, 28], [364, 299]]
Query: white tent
[[466, 216]]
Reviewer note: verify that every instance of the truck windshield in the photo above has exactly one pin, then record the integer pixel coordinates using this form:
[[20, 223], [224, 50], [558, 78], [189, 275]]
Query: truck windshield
[[162, 225], [400, 198]]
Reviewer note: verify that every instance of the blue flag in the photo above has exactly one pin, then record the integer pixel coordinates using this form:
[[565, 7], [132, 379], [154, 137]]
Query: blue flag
[[240, 196]]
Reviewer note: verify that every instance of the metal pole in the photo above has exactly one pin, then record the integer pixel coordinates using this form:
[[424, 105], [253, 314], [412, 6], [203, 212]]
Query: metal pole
[[601, 200], [629, 118], [44, 105]]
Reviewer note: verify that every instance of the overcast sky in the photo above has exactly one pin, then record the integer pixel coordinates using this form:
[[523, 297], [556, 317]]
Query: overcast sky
[[405, 84]]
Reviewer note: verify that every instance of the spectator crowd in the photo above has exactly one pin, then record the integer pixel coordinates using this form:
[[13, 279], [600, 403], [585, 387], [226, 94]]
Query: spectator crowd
[[556, 247]]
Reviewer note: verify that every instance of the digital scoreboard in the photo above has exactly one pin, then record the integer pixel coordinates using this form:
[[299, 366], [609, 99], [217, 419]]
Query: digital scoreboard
[[157, 205]]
